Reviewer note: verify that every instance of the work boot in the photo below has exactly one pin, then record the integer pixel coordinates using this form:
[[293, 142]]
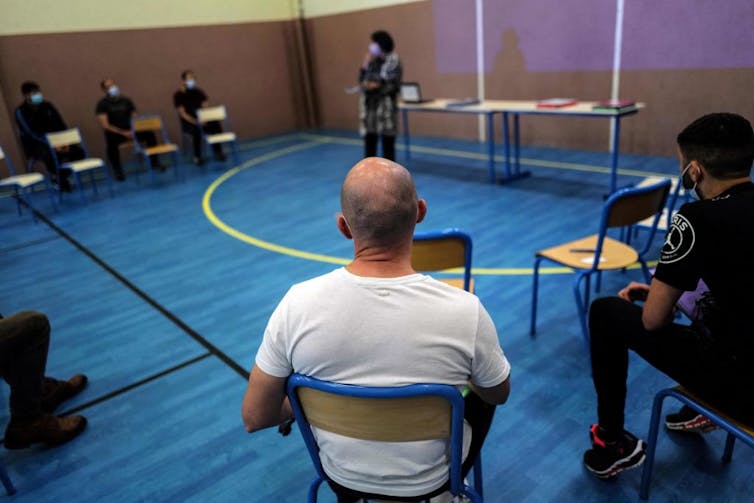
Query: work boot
[[55, 392], [46, 429]]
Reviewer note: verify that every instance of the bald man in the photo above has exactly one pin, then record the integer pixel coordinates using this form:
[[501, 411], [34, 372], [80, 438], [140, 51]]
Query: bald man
[[376, 322]]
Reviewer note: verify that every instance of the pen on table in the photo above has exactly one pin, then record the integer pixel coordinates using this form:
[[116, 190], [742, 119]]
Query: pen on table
[[582, 250]]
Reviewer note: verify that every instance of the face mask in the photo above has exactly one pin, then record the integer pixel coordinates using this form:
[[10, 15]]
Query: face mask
[[374, 49], [37, 98], [688, 183], [113, 91], [190, 83]]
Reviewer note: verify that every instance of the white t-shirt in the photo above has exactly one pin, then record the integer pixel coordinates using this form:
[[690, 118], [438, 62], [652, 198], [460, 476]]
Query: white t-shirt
[[383, 332]]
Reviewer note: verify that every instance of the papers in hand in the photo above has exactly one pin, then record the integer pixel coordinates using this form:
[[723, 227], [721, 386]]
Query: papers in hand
[[352, 90]]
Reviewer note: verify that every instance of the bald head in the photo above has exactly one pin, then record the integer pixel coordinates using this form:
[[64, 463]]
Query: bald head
[[378, 200]]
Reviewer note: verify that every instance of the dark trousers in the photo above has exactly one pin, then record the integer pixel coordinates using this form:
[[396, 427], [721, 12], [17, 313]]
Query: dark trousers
[[388, 145], [687, 355], [41, 152], [24, 340], [478, 414], [114, 140], [209, 128]]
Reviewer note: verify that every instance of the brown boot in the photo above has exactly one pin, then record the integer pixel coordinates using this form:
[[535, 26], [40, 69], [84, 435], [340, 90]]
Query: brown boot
[[47, 429], [55, 392]]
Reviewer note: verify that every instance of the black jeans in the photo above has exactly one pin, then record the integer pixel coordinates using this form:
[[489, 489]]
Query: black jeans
[[689, 356], [478, 414], [209, 128], [388, 145], [24, 340], [114, 140]]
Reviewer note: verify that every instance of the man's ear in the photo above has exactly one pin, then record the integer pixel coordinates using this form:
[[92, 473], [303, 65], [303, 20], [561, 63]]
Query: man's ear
[[699, 170], [343, 227], [421, 210]]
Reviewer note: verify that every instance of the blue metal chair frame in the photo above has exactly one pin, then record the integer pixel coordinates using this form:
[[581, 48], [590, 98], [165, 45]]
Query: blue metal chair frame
[[76, 176], [449, 393], [22, 193], [141, 152], [582, 299], [733, 429], [226, 128], [452, 234], [7, 483]]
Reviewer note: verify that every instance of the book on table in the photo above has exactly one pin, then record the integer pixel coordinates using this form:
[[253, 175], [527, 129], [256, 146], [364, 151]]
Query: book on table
[[556, 102], [615, 105]]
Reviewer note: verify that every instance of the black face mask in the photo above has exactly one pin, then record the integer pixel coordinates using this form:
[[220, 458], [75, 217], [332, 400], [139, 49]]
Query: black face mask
[[689, 184]]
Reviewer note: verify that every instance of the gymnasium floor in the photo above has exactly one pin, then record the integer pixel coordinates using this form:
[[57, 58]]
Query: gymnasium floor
[[161, 294]]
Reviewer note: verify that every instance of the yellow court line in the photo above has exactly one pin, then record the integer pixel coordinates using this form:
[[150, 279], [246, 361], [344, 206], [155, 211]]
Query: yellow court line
[[314, 141], [572, 166]]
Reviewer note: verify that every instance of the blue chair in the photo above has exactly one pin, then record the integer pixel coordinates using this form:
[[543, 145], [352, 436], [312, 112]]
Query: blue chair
[[7, 483], [599, 252], [153, 124], [68, 138], [735, 429], [23, 184], [441, 251], [217, 114], [676, 191], [387, 414]]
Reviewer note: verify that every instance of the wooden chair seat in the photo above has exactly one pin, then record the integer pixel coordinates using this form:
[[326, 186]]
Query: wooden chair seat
[[164, 148], [220, 138], [26, 180], [458, 283], [83, 164], [579, 254]]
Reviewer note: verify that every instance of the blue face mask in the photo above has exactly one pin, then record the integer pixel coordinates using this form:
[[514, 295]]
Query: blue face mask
[[190, 83], [37, 98], [113, 91], [374, 49]]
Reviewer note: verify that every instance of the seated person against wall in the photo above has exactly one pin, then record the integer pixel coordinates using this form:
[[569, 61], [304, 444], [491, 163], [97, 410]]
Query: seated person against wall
[[114, 113], [187, 100], [376, 322], [24, 340], [711, 239], [35, 118]]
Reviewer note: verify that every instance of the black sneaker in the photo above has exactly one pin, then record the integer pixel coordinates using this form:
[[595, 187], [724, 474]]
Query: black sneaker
[[689, 420], [606, 460]]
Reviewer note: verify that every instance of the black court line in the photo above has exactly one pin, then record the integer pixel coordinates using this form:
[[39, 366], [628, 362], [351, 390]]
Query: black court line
[[137, 384], [138, 291], [27, 244]]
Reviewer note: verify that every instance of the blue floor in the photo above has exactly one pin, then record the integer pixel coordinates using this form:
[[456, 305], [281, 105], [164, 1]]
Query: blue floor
[[161, 294]]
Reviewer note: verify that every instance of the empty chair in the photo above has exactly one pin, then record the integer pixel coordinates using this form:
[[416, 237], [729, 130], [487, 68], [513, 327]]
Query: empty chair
[[385, 414], [154, 124], [599, 252], [23, 184], [735, 429], [217, 114], [442, 251], [66, 139]]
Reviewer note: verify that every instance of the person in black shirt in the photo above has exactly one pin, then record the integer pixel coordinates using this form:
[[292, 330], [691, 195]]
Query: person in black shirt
[[380, 79], [187, 100], [24, 341], [114, 113], [712, 240], [35, 118]]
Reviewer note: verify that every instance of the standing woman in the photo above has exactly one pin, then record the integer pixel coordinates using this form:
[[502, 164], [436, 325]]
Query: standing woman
[[380, 80]]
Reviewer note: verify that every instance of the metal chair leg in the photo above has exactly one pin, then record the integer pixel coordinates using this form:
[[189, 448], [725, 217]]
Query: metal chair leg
[[730, 442], [582, 309], [535, 287], [7, 483], [654, 426]]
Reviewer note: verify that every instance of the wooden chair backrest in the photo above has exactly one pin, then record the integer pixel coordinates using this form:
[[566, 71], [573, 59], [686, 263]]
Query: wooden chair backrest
[[64, 138], [633, 208], [152, 123], [379, 419], [211, 114], [438, 254]]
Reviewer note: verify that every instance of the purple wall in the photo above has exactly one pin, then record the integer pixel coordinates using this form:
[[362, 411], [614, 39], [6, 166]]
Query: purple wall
[[578, 35]]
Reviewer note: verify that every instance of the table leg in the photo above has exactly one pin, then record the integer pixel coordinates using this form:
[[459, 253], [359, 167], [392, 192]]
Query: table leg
[[491, 145], [517, 144], [614, 155], [507, 145], [406, 139]]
